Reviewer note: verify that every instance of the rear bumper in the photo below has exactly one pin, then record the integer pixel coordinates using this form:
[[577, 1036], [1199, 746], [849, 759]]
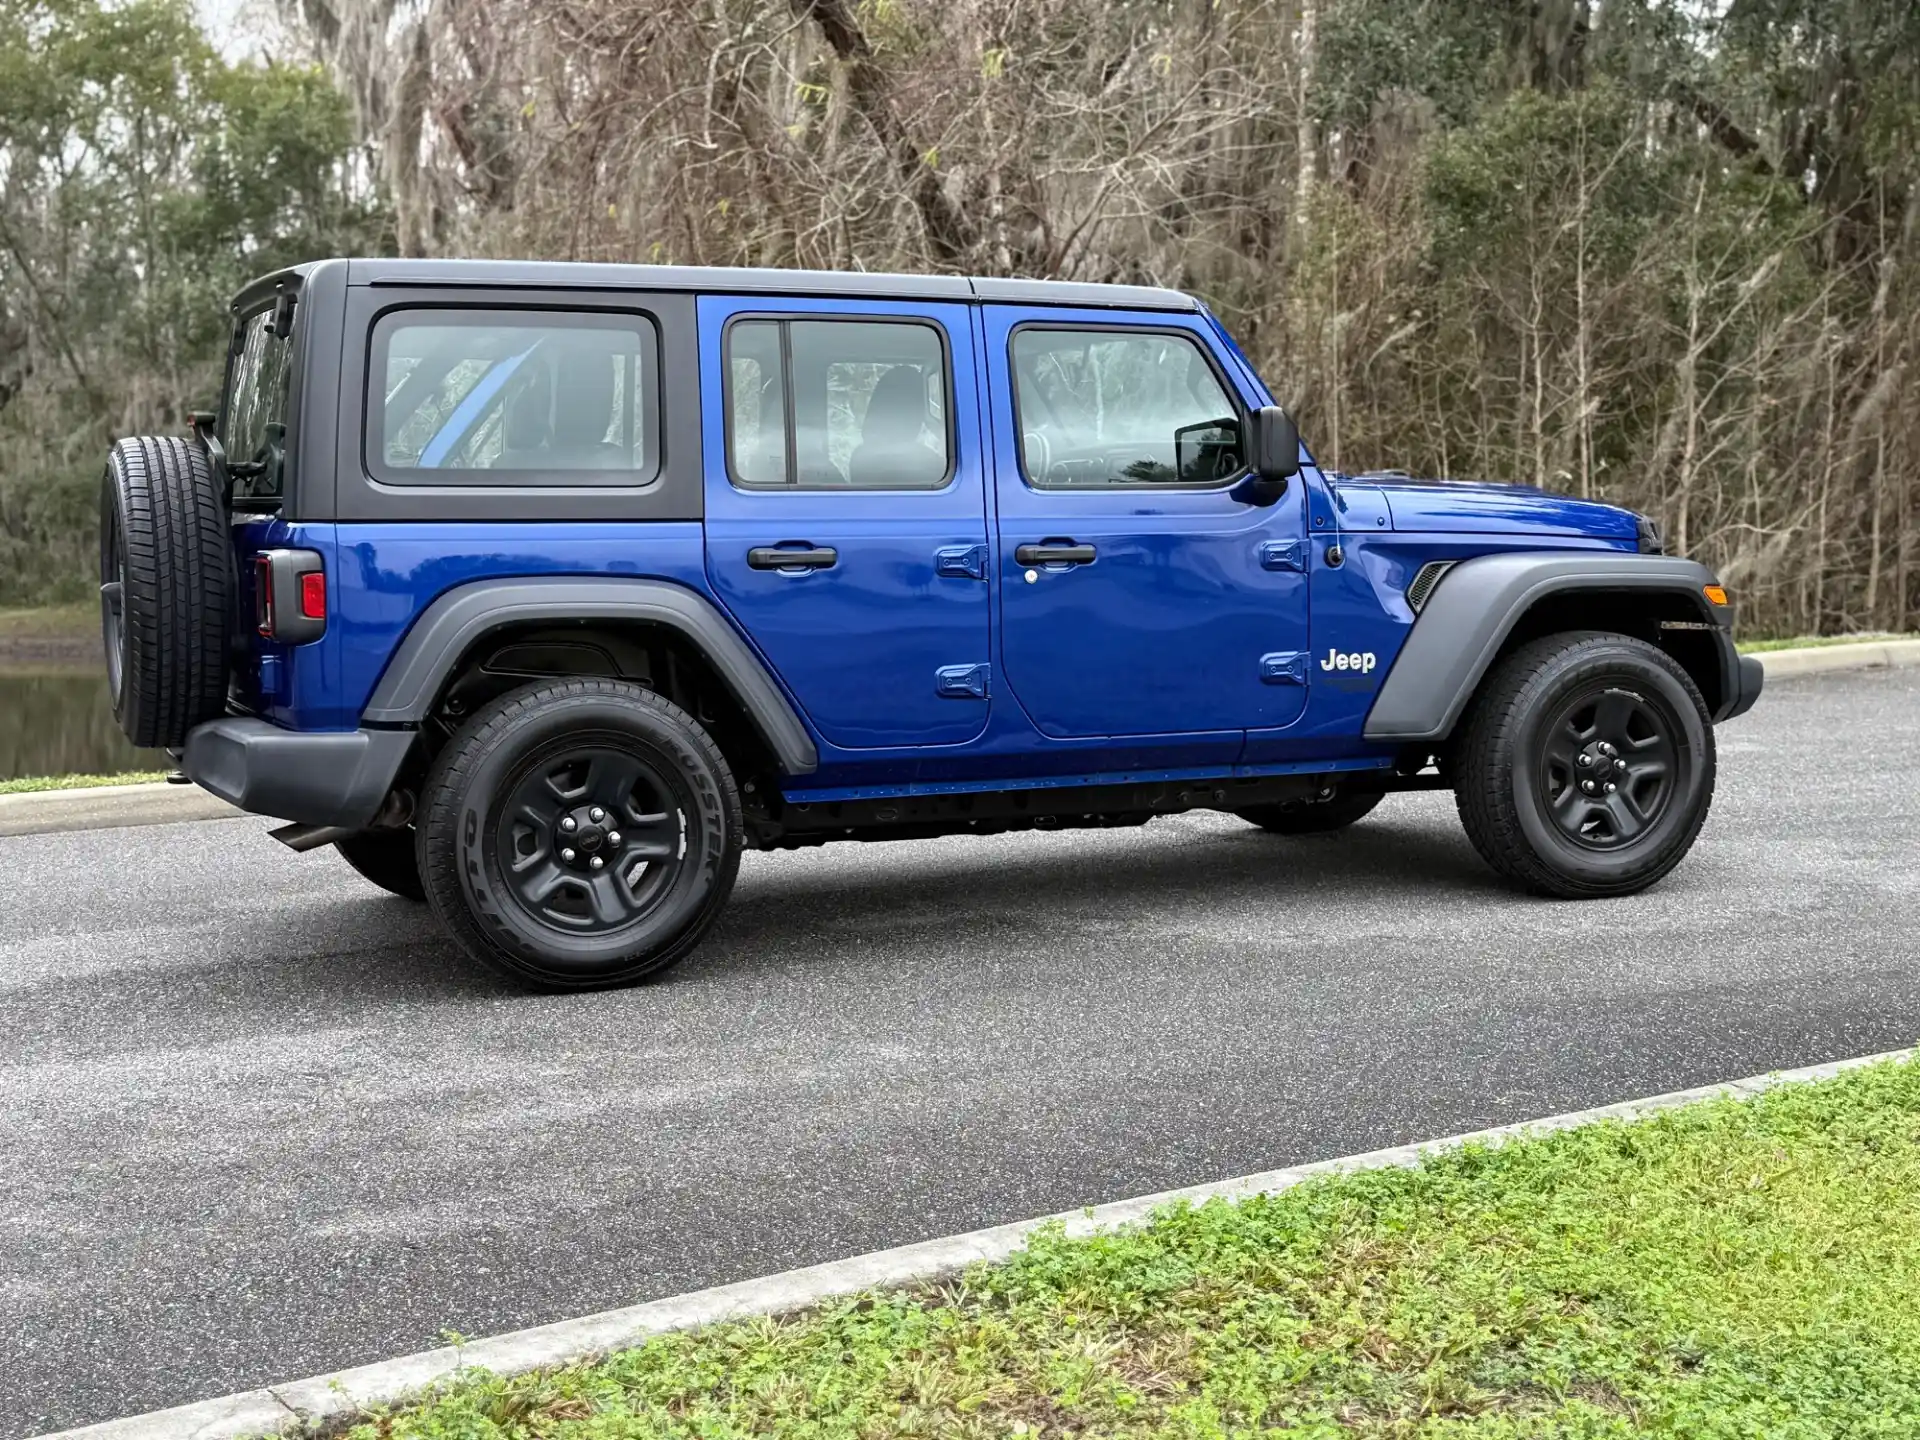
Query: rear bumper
[[327, 778]]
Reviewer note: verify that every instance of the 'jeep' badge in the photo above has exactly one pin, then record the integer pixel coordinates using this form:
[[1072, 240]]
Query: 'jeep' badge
[[1361, 660]]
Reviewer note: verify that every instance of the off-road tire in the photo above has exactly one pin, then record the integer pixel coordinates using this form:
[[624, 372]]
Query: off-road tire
[[389, 858], [498, 754], [1505, 784], [166, 588], [1313, 817]]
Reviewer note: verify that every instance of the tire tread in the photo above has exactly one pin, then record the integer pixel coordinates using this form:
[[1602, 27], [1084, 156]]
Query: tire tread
[[177, 604]]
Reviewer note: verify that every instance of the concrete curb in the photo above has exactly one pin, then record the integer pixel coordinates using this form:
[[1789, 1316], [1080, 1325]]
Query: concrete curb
[[1857, 655], [327, 1400], [106, 807], [109, 806]]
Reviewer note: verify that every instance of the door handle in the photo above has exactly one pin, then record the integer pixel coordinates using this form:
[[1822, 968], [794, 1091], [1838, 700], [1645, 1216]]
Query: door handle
[[775, 557], [1066, 553]]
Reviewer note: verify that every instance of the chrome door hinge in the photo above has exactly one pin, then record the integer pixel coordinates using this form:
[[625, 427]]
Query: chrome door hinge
[[963, 682]]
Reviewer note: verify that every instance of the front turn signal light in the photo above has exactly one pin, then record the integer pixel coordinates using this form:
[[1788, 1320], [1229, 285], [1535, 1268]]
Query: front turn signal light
[[1716, 594]]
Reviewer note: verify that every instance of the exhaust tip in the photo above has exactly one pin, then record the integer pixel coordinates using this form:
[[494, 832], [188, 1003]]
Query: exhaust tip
[[303, 838]]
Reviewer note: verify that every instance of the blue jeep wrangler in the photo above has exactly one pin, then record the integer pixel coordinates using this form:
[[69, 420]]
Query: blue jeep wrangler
[[540, 591]]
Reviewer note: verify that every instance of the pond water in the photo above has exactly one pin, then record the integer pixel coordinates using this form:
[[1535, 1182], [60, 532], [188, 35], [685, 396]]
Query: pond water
[[56, 721]]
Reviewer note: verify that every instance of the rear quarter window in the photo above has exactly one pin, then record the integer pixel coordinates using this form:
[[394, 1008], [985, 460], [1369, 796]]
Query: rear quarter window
[[516, 398]]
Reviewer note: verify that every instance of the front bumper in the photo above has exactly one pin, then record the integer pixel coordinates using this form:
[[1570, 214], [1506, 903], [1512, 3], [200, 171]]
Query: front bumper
[[337, 777], [1750, 676]]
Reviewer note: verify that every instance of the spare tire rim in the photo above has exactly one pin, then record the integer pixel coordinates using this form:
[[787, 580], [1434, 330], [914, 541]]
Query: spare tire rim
[[1609, 764], [591, 839], [113, 604]]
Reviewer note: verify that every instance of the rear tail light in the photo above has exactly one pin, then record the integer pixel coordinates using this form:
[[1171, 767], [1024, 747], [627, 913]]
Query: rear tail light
[[263, 595], [289, 596]]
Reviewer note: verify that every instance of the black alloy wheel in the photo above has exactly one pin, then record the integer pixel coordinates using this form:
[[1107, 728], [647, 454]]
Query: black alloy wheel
[[1607, 761], [579, 834], [592, 836], [113, 605]]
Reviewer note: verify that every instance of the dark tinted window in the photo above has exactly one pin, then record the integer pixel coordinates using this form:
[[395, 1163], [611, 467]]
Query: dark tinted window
[[837, 404], [474, 397], [1106, 408]]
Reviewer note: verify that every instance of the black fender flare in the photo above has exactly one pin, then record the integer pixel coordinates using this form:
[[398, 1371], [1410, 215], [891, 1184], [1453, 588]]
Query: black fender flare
[[1478, 602], [455, 622]]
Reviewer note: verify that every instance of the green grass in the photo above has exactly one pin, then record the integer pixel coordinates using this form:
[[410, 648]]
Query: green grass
[[51, 621], [1727, 1270], [1754, 647], [32, 783]]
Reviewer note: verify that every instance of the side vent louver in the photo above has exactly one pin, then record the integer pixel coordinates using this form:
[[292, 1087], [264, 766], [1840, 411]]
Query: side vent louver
[[1424, 580]]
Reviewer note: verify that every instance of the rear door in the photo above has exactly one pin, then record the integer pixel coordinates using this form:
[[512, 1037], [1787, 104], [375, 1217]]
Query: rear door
[[1139, 596], [846, 509]]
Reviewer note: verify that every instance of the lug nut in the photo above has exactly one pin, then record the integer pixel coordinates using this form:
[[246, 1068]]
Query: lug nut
[[596, 814], [1583, 759], [1587, 785], [613, 837], [1611, 787], [1619, 764], [567, 855], [596, 862], [569, 825]]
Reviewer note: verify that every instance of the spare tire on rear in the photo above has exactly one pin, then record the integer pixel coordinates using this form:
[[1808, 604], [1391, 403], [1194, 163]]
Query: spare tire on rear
[[166, 588]]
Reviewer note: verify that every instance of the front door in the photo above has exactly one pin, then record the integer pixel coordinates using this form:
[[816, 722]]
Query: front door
[[846, 509], [1139, 596]]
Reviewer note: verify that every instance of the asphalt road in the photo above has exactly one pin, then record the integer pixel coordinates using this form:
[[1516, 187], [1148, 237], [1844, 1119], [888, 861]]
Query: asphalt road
[[258, 1120]]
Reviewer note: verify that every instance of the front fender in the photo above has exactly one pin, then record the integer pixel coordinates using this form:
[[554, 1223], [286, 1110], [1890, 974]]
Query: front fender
[[1479, 602]]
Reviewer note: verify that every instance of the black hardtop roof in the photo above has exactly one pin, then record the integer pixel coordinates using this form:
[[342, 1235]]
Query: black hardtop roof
[[720, 279]]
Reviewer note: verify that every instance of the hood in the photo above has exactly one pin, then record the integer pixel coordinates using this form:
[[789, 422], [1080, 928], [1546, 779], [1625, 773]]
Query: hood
[[1474, 507]]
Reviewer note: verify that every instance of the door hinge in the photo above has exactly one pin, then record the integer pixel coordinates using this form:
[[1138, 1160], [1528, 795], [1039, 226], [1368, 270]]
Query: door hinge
[[1284, 667], [961, 562], [963, 682], [1283, 555]]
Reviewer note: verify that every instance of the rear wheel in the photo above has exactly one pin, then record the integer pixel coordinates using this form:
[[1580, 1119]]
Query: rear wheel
[[1586, 767], [166, 588], [389, 858], [580, 834], [1313, 817]]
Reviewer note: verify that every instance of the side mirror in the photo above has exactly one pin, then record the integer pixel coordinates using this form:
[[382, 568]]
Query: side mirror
[[1273, 456], [1274, 448], [1206, 453]]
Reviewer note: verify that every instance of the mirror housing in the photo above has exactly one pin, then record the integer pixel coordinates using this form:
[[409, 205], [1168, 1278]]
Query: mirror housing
[[1273, 456]]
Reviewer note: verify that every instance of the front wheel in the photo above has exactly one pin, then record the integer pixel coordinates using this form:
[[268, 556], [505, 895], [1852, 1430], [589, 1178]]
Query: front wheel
[[1586, 766], [579, 834]]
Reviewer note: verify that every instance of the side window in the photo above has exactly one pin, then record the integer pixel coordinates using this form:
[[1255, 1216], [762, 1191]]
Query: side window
[[253, 415], [1100, 409], [837, 405], [502, 397]]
